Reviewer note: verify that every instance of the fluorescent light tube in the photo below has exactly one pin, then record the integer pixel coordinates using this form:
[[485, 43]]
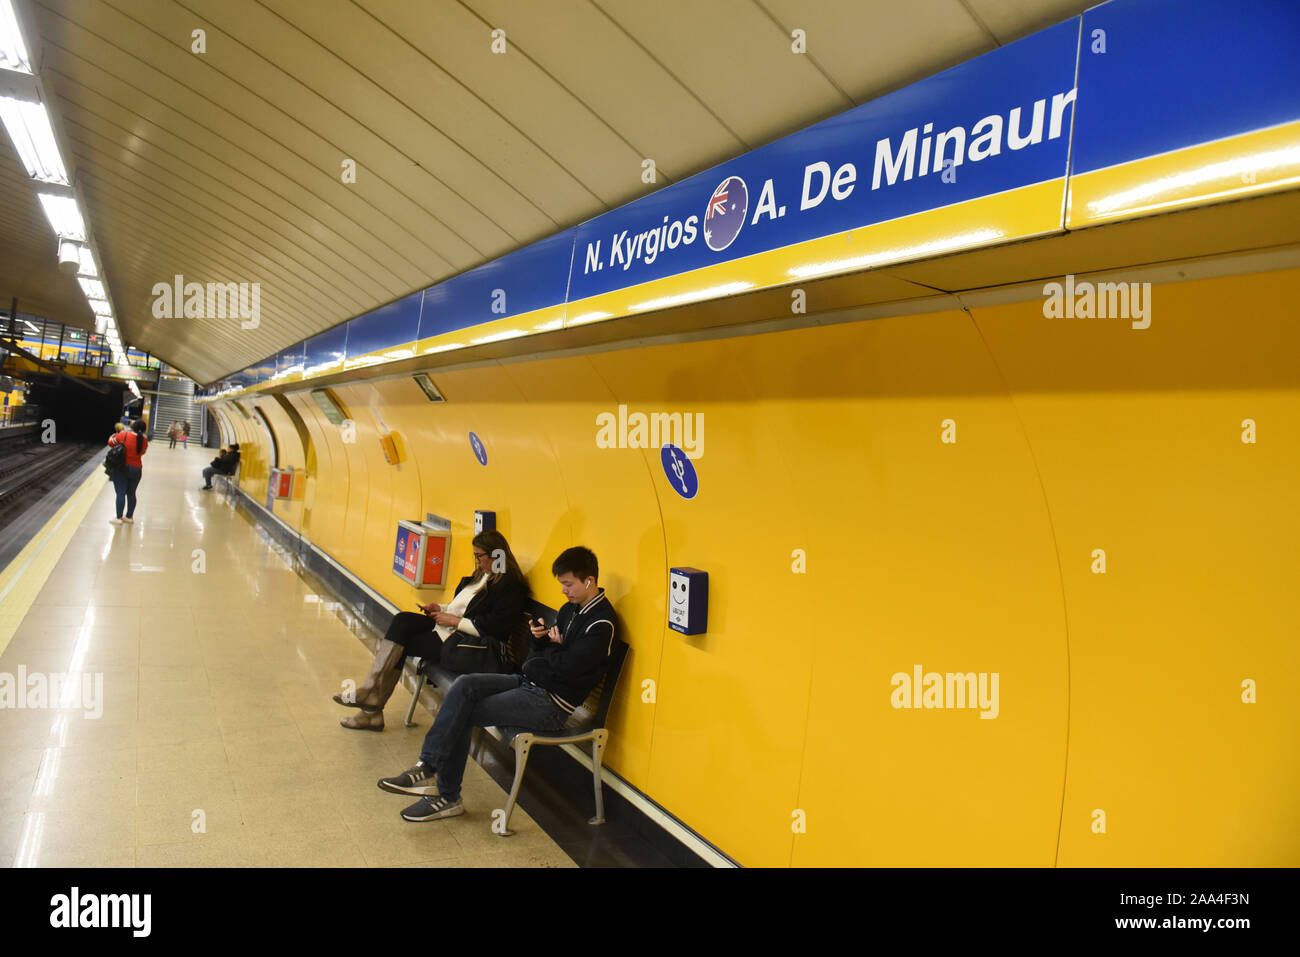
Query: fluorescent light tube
[[29, 127], [13, 51], [64, 216]]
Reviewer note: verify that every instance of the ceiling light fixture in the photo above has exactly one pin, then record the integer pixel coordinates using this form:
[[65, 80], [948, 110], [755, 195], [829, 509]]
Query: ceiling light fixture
[[29, 127], [86, 266], [64, 216], [13, 51], [93, 288]]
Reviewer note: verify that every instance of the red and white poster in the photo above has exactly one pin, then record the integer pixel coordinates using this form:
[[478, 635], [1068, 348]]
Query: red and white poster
[[435, 560]]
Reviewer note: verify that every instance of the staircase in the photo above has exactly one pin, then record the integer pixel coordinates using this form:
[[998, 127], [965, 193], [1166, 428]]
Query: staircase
[[175, 403]]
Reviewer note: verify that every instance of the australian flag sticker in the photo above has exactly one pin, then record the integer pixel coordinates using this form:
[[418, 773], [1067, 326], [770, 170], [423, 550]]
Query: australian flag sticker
[[726, 213]]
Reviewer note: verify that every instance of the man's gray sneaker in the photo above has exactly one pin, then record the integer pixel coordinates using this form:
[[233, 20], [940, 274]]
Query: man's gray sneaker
[[420, 779], [432, 809]]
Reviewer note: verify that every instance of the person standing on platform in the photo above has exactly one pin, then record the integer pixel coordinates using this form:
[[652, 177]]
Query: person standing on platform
[[127, 480], [185, 435], [174, 433]]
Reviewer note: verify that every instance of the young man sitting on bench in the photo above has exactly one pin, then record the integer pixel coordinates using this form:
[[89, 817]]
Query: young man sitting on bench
[[225, 463], [563, 665]]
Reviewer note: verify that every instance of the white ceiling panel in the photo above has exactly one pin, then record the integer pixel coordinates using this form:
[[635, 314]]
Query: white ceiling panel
[[225, 166]]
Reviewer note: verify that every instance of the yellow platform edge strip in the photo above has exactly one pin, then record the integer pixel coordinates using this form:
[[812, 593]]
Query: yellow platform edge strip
[[25, 576]]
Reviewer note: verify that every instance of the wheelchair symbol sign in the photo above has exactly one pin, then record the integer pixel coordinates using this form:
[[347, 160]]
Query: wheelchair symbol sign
[[680, 472]]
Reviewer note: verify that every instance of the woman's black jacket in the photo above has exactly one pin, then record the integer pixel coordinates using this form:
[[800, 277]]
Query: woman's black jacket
[[497, 613]]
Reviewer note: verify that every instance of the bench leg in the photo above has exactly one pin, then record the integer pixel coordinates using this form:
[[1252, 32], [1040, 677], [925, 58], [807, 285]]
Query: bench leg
[[415, 699], [522, 744], [476, 745], [597, 752]]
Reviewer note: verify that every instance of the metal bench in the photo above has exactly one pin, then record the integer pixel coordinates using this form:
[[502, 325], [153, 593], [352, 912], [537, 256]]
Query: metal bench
[[586, 724], [227, 481]]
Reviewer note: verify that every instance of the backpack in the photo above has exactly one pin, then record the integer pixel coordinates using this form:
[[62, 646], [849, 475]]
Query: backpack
[[115, 460]]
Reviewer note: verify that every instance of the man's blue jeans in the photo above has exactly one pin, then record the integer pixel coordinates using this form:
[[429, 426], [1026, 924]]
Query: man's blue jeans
[[483, 701]]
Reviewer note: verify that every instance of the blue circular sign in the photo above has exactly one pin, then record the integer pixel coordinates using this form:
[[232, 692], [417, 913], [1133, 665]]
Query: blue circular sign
[[680, 471], [480, 450], [725, 213]]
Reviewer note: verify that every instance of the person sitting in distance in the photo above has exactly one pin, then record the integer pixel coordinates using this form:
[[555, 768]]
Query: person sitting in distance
[[468, 635], [225, 463], [564, 664]]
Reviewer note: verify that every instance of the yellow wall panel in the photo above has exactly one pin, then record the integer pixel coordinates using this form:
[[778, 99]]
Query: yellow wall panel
[[325, 491], [292, 454], [357, 433], [939, 555], [847, 542], [1138, 436], [394, 489], [717, 705], [451, 482], [605, 501]]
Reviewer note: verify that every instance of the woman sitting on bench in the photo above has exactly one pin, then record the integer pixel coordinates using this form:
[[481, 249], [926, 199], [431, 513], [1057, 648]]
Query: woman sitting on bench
[[467, 635]]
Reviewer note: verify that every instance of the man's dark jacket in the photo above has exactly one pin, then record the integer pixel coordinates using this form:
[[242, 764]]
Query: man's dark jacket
[[225, 464], [571, 669]]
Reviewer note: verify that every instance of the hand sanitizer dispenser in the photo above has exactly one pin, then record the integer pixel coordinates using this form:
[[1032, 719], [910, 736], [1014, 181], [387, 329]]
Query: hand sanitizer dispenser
[[688, 600]]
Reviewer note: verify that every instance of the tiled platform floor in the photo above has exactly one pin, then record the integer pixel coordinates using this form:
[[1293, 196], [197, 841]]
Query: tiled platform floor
[[216, 699]]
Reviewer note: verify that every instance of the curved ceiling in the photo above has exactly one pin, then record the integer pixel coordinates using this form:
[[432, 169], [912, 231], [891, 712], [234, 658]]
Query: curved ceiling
[[227, 165]]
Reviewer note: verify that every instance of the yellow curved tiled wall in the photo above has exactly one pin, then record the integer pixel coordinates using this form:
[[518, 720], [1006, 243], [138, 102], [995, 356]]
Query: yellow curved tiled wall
[[773, 736]]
